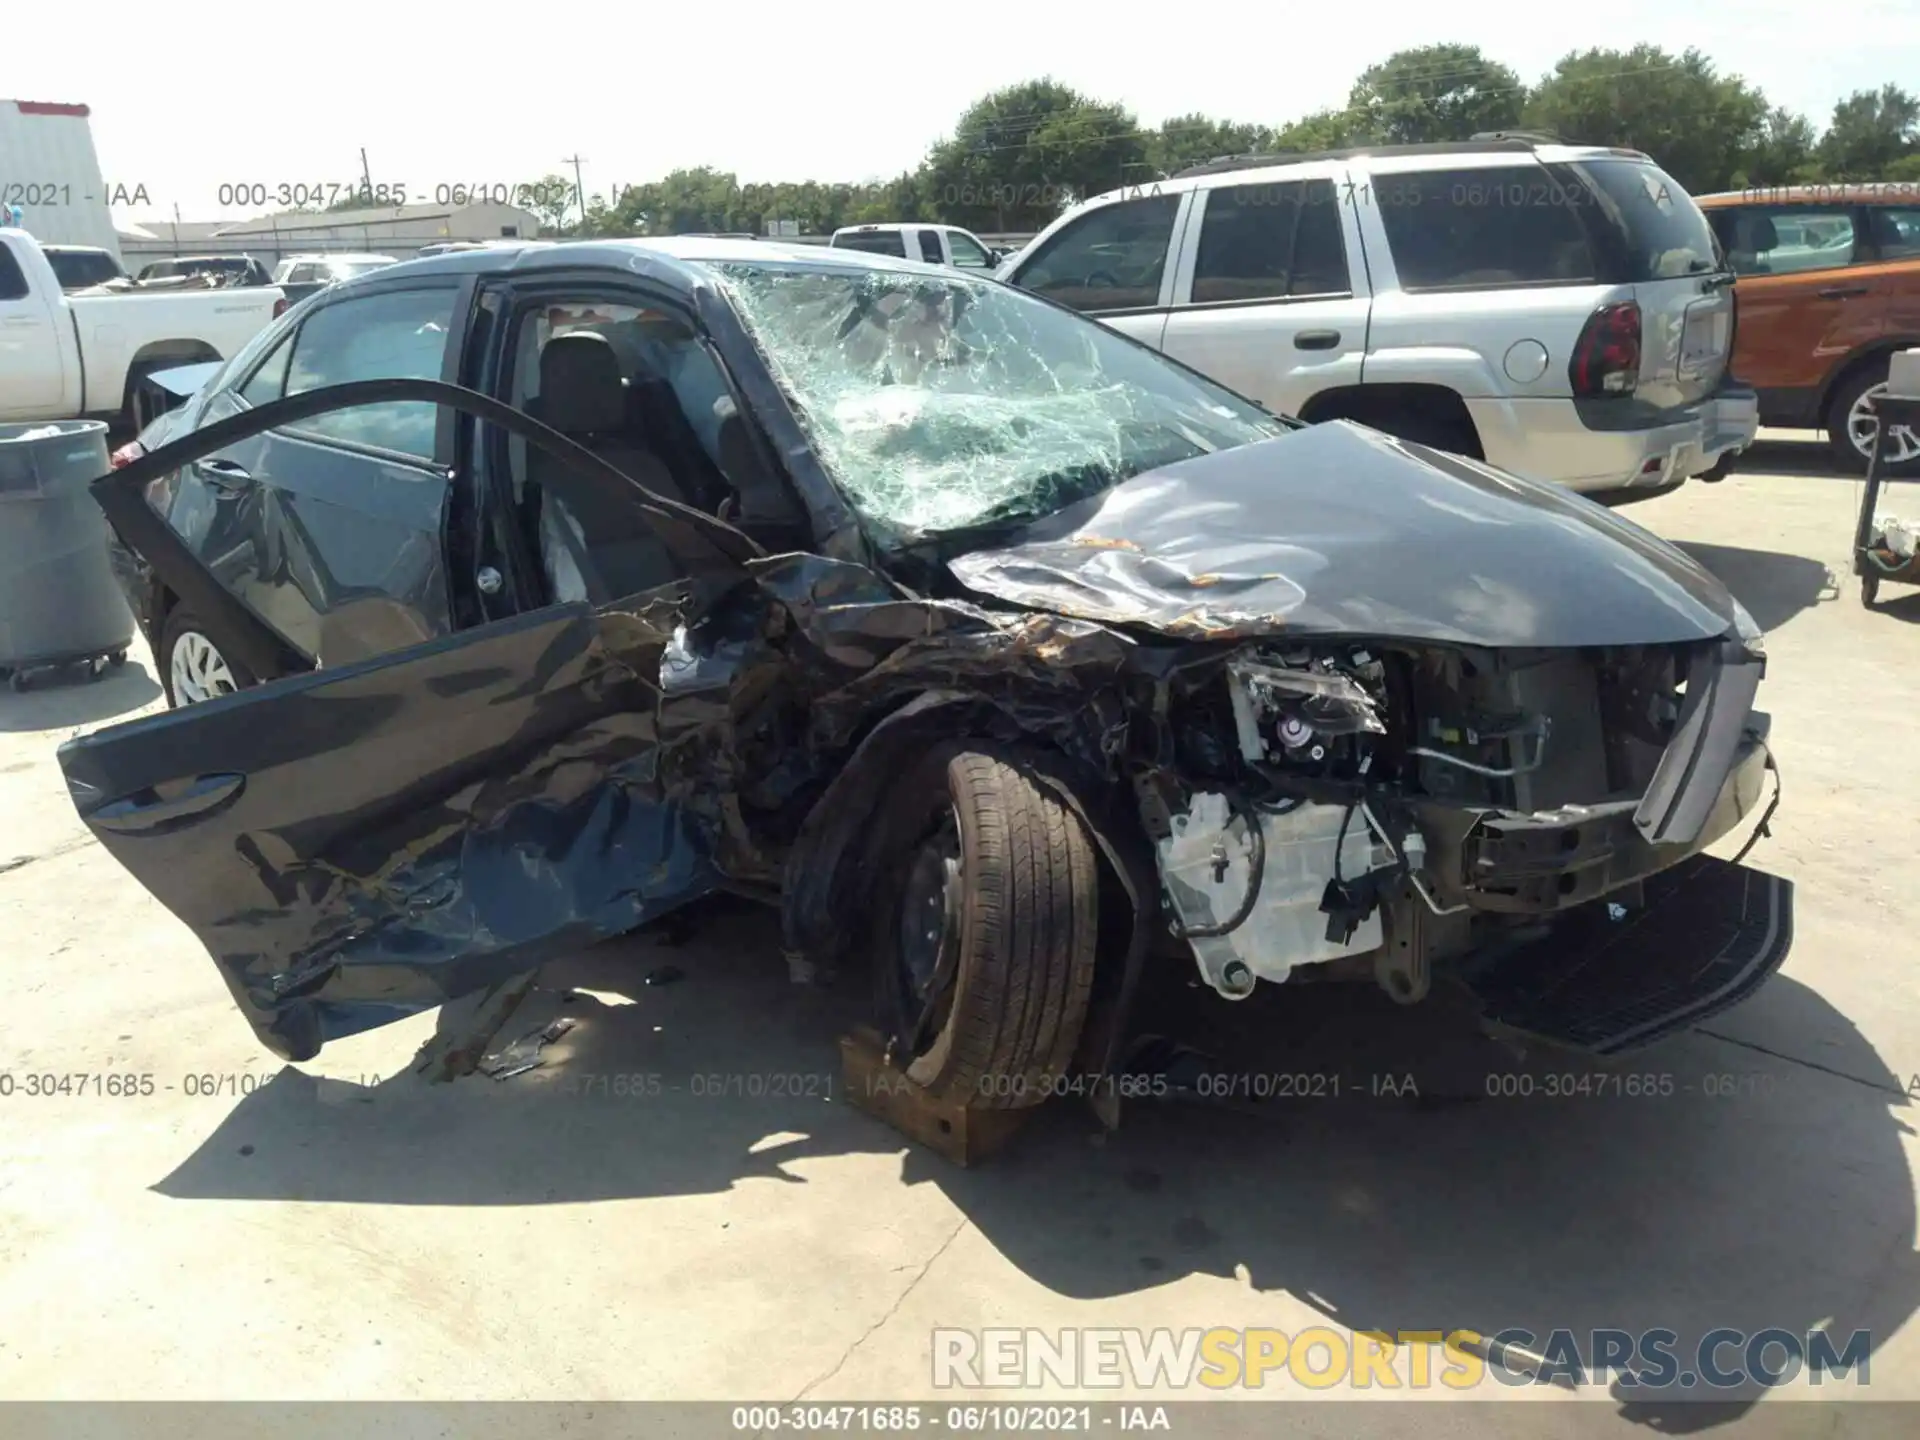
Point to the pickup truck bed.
(83, 355)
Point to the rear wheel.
(1852, 426)
(985, 927)
(192, 666)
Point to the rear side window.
(1663, 232)
(877, 242)
(1111, 258)
(13, 280)
(1785, 239)
(930, 248)
(1484, 228)
(401, 334)
(1262, 242)
(1896, 232)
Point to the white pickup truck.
(63, 355)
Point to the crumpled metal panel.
(1339, 530)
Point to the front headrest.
(1756, 234)
(581, 392)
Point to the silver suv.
(1560, 311)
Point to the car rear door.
(1266, 299)
(1112, 262)
(359, 843)
(329, 528)
(33, 376)
(1805, 300)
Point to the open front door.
(357, 844)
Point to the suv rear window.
(1483, 228)
(1665, 234)
(878, 242)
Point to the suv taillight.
(1606, 358)
(279, 307)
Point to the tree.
(1322, 130)
(1871, 131)
(552, 198)
(1195, 139)
(1784, 153)
(1021, 154)
(1435, 92)
(1698, 125)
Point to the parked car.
(990, 645)
(86, 354)
(224, 270)
(1557, 310)
(298, 276)
(82, 267)
(1829, 290)
(935, 244)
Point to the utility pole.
(579, 188)
(366, 175)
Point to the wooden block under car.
(964, 1134)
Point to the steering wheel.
(1102, 280)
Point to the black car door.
(329, 528)
(357, 843)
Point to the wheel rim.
(929, 928)
(1863, 427)
(199, 670)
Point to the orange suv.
(1829, 287)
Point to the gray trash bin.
(59, 602)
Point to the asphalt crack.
(891, 1311)
(65, 847)
(1759, 1049)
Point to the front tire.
(988, 904)
(1851, 426)
(192, 667)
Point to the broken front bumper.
(1608, 980)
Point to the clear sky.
(445, 93)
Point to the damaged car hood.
(1339, 529)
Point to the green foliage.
(1433, 93)
(1020, 155)
(1698, 125)
(1871, 131)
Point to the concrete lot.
(344, 1229)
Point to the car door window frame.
(1181, 202)
(495, 527)
(461, 288)
(1196, 234)
(1860, 253)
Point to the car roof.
(896, 226)
(1832, 192)
(682, 261)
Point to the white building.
(393, 230)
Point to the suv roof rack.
(1480, 144)
(1532, 137)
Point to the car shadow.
(60, 697)
(1431, 1180)
(1773, 586)
(1808, 457)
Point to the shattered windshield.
(941, 403)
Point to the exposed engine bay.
(1340, 809)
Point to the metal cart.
(1870, 564)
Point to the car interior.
(645, 394)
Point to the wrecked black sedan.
(1003, 655)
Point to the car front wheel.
(1852, 426)
(192, 666)
(985, 928)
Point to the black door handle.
(222, 474)
(1840, 292)
(1315, 339)
(148, 812)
